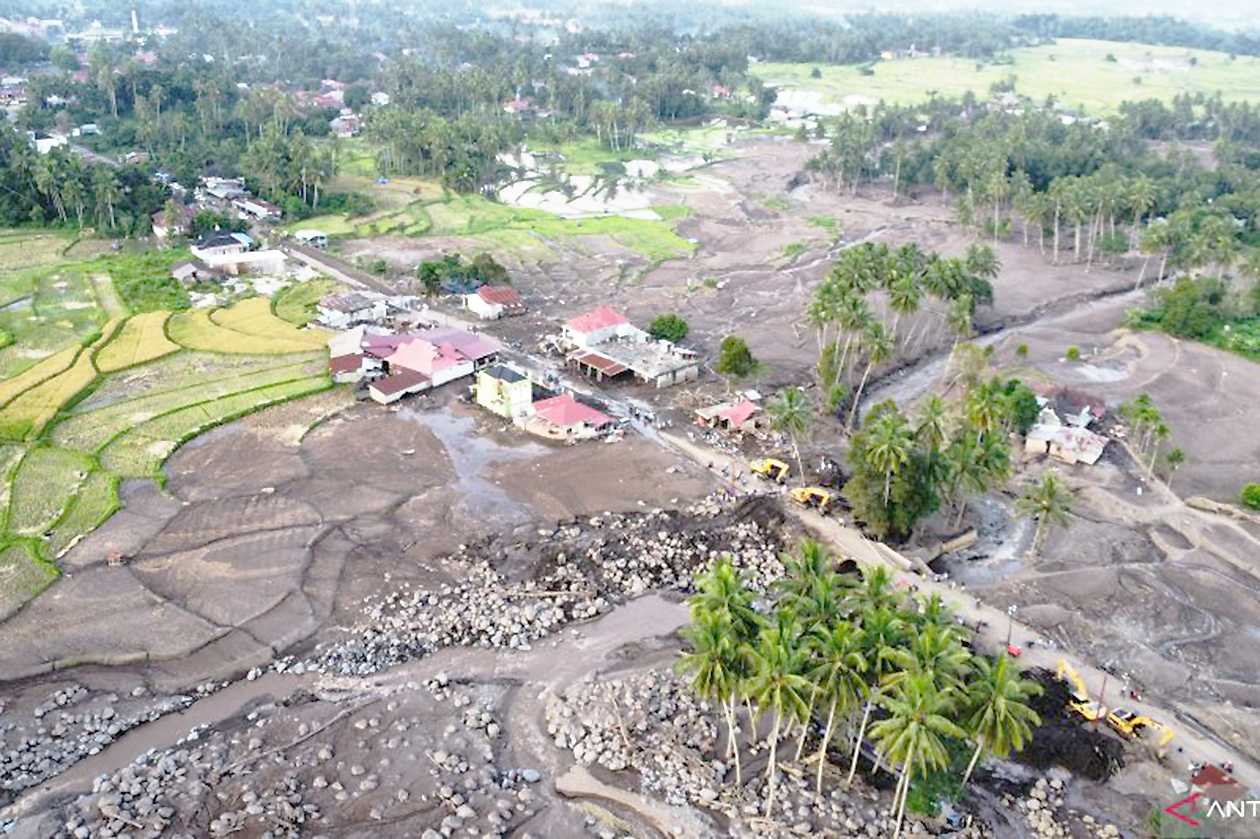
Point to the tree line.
(829, 654)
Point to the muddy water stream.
(910, 383)
(471, 455)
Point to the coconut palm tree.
(790, 414)
(1141, 198)
(1050, 502)
(714, 669)
(1174, 459)
(904, 295)
(882, 634)
(879, 348)
(935, 651)
(888, 447)
(981, 261)
(837, 675)
(778, 685)
(914, 732)
(932, 426)
(810, 563)
(722, 593)
(985, 408)
(1000, 720)
(875, 591)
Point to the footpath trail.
(1197, 745)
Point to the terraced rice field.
(83, 418)
(142, 338)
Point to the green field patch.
(587, 155)
(22, 576)
(140, 452)
(144, 282)
(20, 249)
(196, 331)
(107, 296)
(671, 212)
(27, 415)
(45, 481)
(254, 317)
(828, 223)
(93, 504)
(142, 338)
(467, 215)
(296, 304)
(89, 430)
(1075, 71)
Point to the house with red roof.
(491, 302)
(564, 418)
(597, 326)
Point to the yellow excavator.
(770, 469)
(1079, 702)
(813, 497)
(1134, 726)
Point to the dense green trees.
(827, 651)
(668, 327)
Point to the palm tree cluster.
(1148, 429)
(832, 653)
(852, 336)
(904, 467)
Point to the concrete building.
(607, 346)
(1068, 444)
(214, 245)
(494, 302)
(256, 208)
(505, 391)
(342, 311)
(564, 418)
(312, 238)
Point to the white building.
(342, 311)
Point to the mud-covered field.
(373, 620)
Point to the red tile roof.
(601, 363)
(565, 411)
(597, 319)
(501, 295)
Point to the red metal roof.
(739, 414)
(345, 363)
(502, 295)
(601, 363)
(565, 411)
(597, 319)
(398, 382)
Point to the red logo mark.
(1172, 809)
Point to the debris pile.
(650, 724)
(580, 570)
(71, 724)
(1065, 740)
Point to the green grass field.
(296, 304)
(1075, 71)
(23, 575)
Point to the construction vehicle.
(1135, 726)
(770, 469)
(813, 497)
(1079, 702)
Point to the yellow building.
(504, 391)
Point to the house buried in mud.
(604, 345)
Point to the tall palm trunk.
(772, 765)
(975, 758)
(857, 397)
(905, 794)
(732, 744)
(813, 697)
(822, 748)
(1056, 232)
(857, 744)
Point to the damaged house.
(604, 345)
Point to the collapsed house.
(604, 345)
(342, 311)
(741, 415)
(1069, 443)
